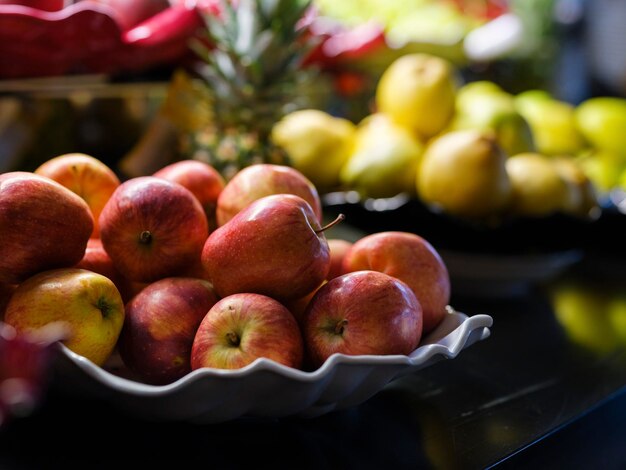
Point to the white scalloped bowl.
(265, 388)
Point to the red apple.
(410, 258)
(264, 179)
(87, 303)
(362, 312)
(161, 322)
(204, 181)
(243, 327)
(152, 228)
(96, 259)
(43, 225)
(274, 246)
(338, 249)
(86, 176)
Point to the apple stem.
(339, 218)
(339, 327)
(233, 338)
(145, 237)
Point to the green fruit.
(602, 120)
(552, 122)
(604, 168)
(463, 173)
(484, 105)
(384, 159)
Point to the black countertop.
(547, 389)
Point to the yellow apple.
(86, 176)
(87, 303)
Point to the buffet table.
(532, 393)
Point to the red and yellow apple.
(152, 228)
(87, 303)
(43, 225)
(362, 312)
(160, 326)
(410, 258)
(84, 175)
(241, 328)
(264, 179)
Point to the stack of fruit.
(469, 150)
(181, 269)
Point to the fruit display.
(450, 144)
(160, 290)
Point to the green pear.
(463, 173)
(552, 122)
(484, 105)
(384, 159)
(604, 168)
(602, 120)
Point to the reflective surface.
(547, 388)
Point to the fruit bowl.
(264, 388)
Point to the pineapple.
(253, 76)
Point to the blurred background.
(96, 89)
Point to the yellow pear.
(583, 195)
(418, 90)
(384, 159)
(552, 121)
(538, 188)
(317, 143)
(463, 173)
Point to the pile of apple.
(182, 270)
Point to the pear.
(583, 193)
(604, 168)
(317, 143)
(384, 159)
(552, 121)
(538, 187)
(418, 90)
(602, 120)
(463, 173)
(484, 105)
